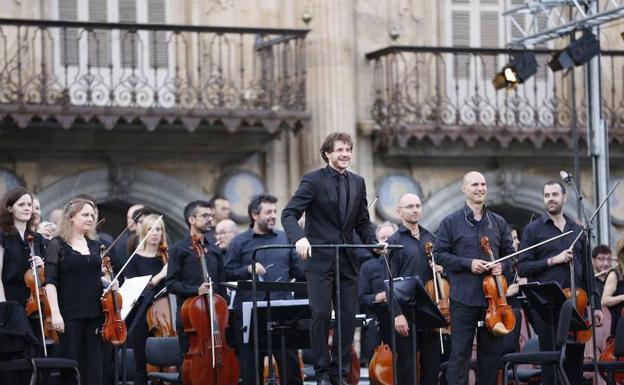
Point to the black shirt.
(372, 275)
(280, 264)
(140, 266)
(77, 278)
(16, 262)
(533, 263)
(616, 310)
(458, 242)
(184, 272)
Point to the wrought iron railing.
(134, 67)
(444, 92)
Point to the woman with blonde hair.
(73, 269)
(613, 294)
(150, 259)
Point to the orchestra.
(72, 285)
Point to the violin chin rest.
(499, 329)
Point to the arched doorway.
(115, 191)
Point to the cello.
(499, 316)
(209, 360)
(38, 301)
(160, 316)
(114, 330)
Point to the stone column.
(277, 171)
(331, 78)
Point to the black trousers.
(321, 292)
(429, 347)
(464, 321)
(246, 358)
(573, 363)
(80, 342)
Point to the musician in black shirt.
(406, 262)
(184, 272)
(148, 260)
(73, 268)
(550, 263)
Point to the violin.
(114, 330)
(160, 318)
(438, 288)
(380, 366)
(608, 355)
(209, 360)
(580, 303)
(499, 316)
(38, 300)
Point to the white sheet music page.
(131, 291)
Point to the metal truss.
(551, 19)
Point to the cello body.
(197, 368)
(380, 366)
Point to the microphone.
(565, 176)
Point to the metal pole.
(597, 139)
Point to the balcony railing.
(133, 71)
(446, 93)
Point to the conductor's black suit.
(330, 221)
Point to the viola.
(38, 300)
(580, 302)
(380, 366)
(209, 360)
(114, 330)
(160, 318)
(499, 316)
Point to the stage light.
(519, 69)
(577, 53)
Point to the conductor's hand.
(304, 250)
(383, 249)
(204, 288)
(497, 269)
(563, 257)
(400, 325)
(478, 266)
(260, 270)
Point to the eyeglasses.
(410, 207)
(204, 215)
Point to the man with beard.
(184, 273)
(550, 263)
(271, 265)
(334, 202)
(458, 250)
(407, 262)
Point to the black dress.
(16, 262)
(616, 310)
(142, 266)
(77, 278)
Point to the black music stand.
(279, 318)
(550, 297)
(410, 294)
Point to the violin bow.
(489, 264)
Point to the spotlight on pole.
(519, 69)
(577, 53)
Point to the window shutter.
(98, 40)
(68, 10)
(157, 40)
(490, 38)
(129, 53)
(461, 38)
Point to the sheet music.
(247, 306)
(131, 291)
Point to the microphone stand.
(589, 277)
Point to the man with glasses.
(184, 273)
(602, 261)
(458, 250)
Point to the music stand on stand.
(285, 317)
(411, 295)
